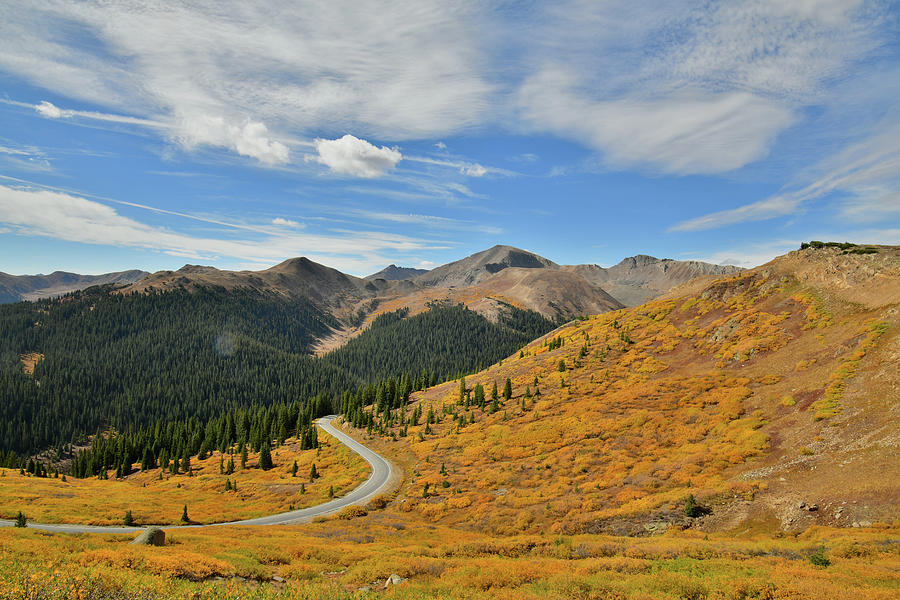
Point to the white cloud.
(865, 175)
(757, 211)
(691, 133)
(475, 170)
(248, 139)
(48, 110)
(63, 216)
(350, 155)
(430, 221)
(441, 146)
(386, 69)
(675, 87)
(688, 87)
(282, 222)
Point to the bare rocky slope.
(637, 279)
(14, 288)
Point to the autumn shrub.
(819, 559)
(352, 512)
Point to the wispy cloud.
(64, 216)
(429, 221)
(865, 174)
(690, 87)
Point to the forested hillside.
(96, 360)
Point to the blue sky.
(149, 135)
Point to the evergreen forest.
(166, 370)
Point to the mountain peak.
(481, 265)
(394, 273)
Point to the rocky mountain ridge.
(15, 288)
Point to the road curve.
(377, 481)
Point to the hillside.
(767, 394)
(98, 359)
(14, 288)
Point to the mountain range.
(485, 282)
(14, 288)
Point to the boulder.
(152, 536)
(393, 580)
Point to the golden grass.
(154, 501)
(335, 559)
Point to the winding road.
(382, 471)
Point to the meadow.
(157, 497)
(341, 558)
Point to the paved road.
(377, 481)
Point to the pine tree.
(294, 469)
(265, 457)
(312, 473)
(184, 515)
(128, 520)
(479, 395)
(331, 491)
(462, 390)
(507, 389)
(21, 521)
(230, 468)
(494, 395)
(227, 485)
(243, 456)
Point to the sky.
(149, 135)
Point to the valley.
(733, 438)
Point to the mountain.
(640, 278)
(769, 395)
(481, 265)
(14, 288)
(393, 273)
(487, 282)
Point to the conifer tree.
(312, 473)
(21, 521)
(507, 389)
(294, 469)
(243, 456)
(479, 395)
(265, 457)
(128, 520)
(184, 515)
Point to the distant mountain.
(395, 273)
(487, 282)
(640, 278)
(14, 288)
(481, 265)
